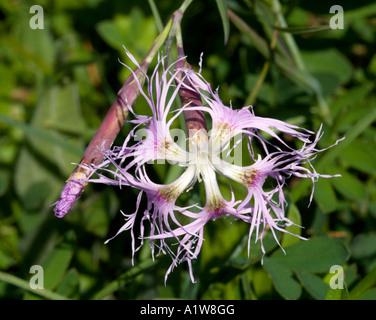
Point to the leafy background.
(58, 83)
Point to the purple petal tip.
(69, 195)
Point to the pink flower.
(263, 208)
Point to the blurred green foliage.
(57, 84)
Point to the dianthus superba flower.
(183, 226)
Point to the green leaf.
(96, 213)
(255, 252)
(355, 112)
(283, 280)
(157, 17)
(294, 216)
(33, 181)
(363, 286)
(349, 186)
(314, 255)
(260, 44)
(313, 284)
(60, 104)
(43, 135)
(329, 67)
(351, 134)
(4, 181)
(21, 283)
(54, 266)
(219, 249)
(112, 33)
(337, 294)
(261, 282)
(363, 245)
(56, 263)
(358, 155)
(361, 11)
(325, 196)
(70, 286)
(351, 98)
(326, 160)
(35, 46)
(302, 30)
(372, 65)
(369, 295)
(126, 277)
(364, 32)
(9, 239)
(304, 258)
(330, 62)
(224, 17)
(134, 31)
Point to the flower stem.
(118, 283)
(185, 5)
(260, 80)
(127, 95)
(194, 119)
(45, 293)
(289, 39)
(110, 126)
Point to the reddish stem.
(194, 119)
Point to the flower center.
(214, 206)
(249, 177)
(168, 193)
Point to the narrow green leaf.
(361, 11)
(289, 40)
(21, 283)
(260, 44)
(43, 135)
(4, 181)
(157, 17)
(354, 132)
(351, 98)
(121, 281)
(224, 17)
(364, 285)
(298, 75)
(369, 295)
(302, 30)
(257, 87)
(185, 5)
